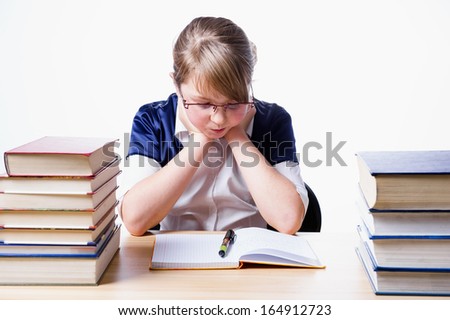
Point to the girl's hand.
(185, 120)
(193, 130)
(239, 131)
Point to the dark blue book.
(59, 269)
(403, 223)
(89, 250)
(404, 281)
(407, 252)
(405, 180)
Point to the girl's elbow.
(132, 222)
(135, 231)
(290, 228)
(133, 227)
(292, 221)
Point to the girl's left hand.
(239, 131)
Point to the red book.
(60, 156)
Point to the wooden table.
(128, 277)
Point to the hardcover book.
(63, 270)
(91, 249)
(407, 252)
(405, 180)
(398, 281)
(404, 222)
(58, 201)
(59, 184)
(60, 156)
(57, 236)
(57, 219)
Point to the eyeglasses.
(235, 108)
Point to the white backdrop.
(374, 74)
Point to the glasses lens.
(239, 109)
(202, 107)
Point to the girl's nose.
(219, 116)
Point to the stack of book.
(404, 205)
(58, 211)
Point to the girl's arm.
(275, 196)
(151, 199)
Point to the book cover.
(60, 156)
(407, 162)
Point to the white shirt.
(217, 197)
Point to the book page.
(190, 251)
(266, 246)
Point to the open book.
(251, 245)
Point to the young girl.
(211, 156)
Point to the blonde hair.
(218, 55)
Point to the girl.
(211, 156)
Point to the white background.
(375, 74)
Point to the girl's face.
(211, 113)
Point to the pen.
(227, 241)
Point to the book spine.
(5, 160)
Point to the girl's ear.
(172, 75)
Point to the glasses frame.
(225, 106)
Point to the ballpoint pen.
(227, 241)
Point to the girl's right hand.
(192, 129)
